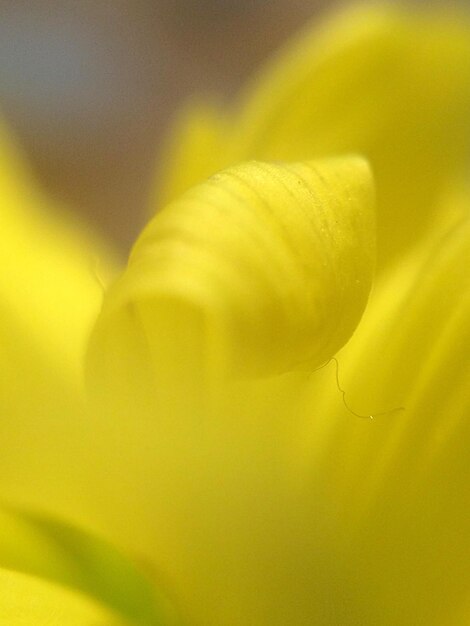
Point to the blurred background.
(91, 87)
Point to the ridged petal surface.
(388, 82)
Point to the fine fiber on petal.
(401, 479)
(383, 81)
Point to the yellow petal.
(401, 479)
(28, 601)
(193, 152)
(49, 298)
(383, 81)
(59, 553)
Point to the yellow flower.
(240, 472)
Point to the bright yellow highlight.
(26, 600)
(213, 446)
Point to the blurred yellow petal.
(401, 479)
(60, 553)
(223, 446)
(49, 298)
(194, 150)
(28, 601)
(51, 268)
(388, 82)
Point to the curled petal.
(273, 263)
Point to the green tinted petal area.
(50, 294)
(384, 81)
(45, 550)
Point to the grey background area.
(91, 86)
